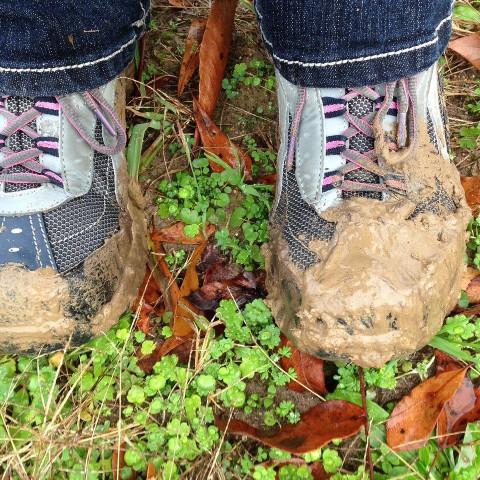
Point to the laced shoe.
(72, 232)
(367, 233)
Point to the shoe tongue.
(360, 106)
(19, 140)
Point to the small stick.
(367, 433)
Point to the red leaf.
(471, 185)
(214, 52)
(270, 179)
(317, 427)
(468, 47)
(191, 57)
(216, 142)
(309, 369)
(414, 417)
(175, 234)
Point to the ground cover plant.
(197, 381)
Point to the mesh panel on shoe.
(299, 223)
(359, 107)
(19, 140)
(81, 226)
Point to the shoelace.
(337, 145)
(35, 172)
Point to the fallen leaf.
(211, 255)
(175, 234)
(414, 417)
(179, 346)
(151, 472)
(160, 81)
(317, 427)
(309, 369)
(471, 185)
(149, 300)
(270, 179)
(191, 57)
(214, 52)
(468, 47)
(450, 425)
(118, 462)
(183, 318)
(179, 3)
(216, 142)
(473, 290)
(316, 468)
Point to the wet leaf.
(452, 419)
(414, 417)
(216, 142)
(468, 47)
(149, 300)
(175, 234)
(118, 462)
(183, 317)
(191, 57)
(317, 427)
(270, 179)
(179, 346)
(309, 369)
(471, 185)
(214, 52)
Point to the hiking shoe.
(72, 232)
(367, 232)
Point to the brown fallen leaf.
(214, 52)
(191, 57)
(179, 346)
(179, 3)
(183, 318)
(318, 426)
(309, 369)
(414, 417)
(468, 47)
(450, 425)
(149, 300)
(270, 179)
(175, 234)
(216, 142)
(471, 185)
(118, 462)
(151, 472)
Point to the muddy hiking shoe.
(72, 232)
(367, 234)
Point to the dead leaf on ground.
(191, 57)
(183, 318)
(175, 234)
(309, 369)
(214, 52)
(216, 142)
(317, 427)
(179, 3)
(414, 417)
(468, 47)
(270, 179)
(471, 185)
(118, 462)
(316, 468)
(149, 300)
(452, 419)
(179, 346)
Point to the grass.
(92, 413)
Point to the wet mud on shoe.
(367, 235)
(72, 227)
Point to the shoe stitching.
(35, 242)
(45, 239)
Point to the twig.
(367, 433)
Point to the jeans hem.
(366, 70)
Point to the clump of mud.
(391, 273)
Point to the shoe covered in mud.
(72, 233)
(367, 234)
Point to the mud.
(387, 279)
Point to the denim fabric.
(347, 43)
(62, 46)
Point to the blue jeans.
(52, 47)
(56, 47)
(348, 43)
